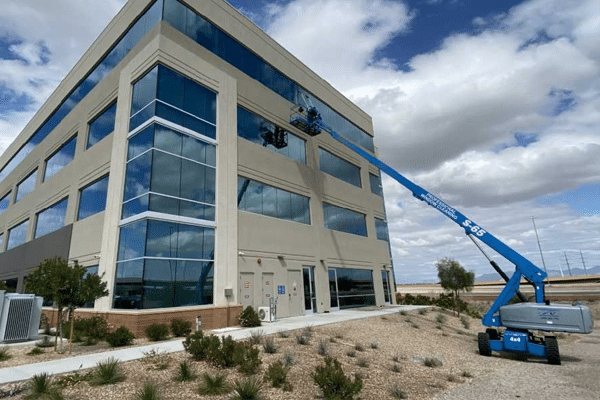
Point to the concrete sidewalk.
(75, 363)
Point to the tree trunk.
(72, 319)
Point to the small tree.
(455, 278)
(66, 286)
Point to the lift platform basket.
(550, 318)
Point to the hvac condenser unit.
(264, 313)
(20, 316)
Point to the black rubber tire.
(483, 341)
(493, 333)
(552, 352)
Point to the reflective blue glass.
(17, 235)
(344, 220)
(140, 143)
(51, 219)
(355, 287)
(137, 176)
(252, 127)
(338, 167)
(382, 230)
(26, 186)
(132, 241)
(144, 91)
(4, 202)
(376, 187)
(93, 270)
(267, 200)
(105, 66)
(62, 157)
(92, 198)
(129, 284)
(102, 125)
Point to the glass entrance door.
(333, 290)
(310, 298)
(386, 287)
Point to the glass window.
(267, 200)
(102, 125)
(4, 202)
(376, 187)
(252, 127)
(382, 230)
(92, 270)
(182, 101)
(106, 65)
(17, 235)
(60, 158)
(355, 287)
(344, 220)
(26, 186)
(1, 242)
(51, 219)
(92, 198)
(338, 167)
(164, 264)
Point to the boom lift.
(518, 320)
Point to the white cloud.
(450, 122)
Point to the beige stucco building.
(154, 164)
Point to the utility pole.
(540, 247)
(583, 262)
(568, 266)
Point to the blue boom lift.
(518, 320)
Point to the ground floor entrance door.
(294, 293)
(246, 289)
(386, 287)
(333, 290)
(310, 297)
(267, 288)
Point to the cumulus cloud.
(44, 49)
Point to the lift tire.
(552, 350)
(483, 340)
(493, 333)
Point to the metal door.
(294, 293)
(246, 289)
(267, 287)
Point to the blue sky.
(494, 106)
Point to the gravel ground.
(410, 339)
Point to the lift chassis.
(516, 320)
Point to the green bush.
(107, 372)
(224, 353)
(247, 359)
(148, 392)
(213, 385)
(334, 384)
(121, 337)
(196, 346)
(40, 387)
(180, 328)
(269, 346)
(249, 318)
(247, 389)
(465, 322)
(95, 327)
(156, 332)
(185, 372)
(35, 351)
(4, 353)
(277, 374)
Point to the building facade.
(165, 161)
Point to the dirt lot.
(411, 340)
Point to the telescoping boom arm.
(309, 120)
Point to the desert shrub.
(359, 347)
(213, 385)
(256, 336)
(362, 362)
(374, 345)
(334, 384)
(396, 368)
(95, 327)
(247, 389)
(148, 392)
(277, 374)
(289, 358)
(4, 353)
(121, 337)
(107, 372)
(423, 311)
(323, 347)
(35, 351)
(249, 317)
(440, 318)
(71, 380)
(185, 372)
(283, 334)
(432, 362)
(396, 392)
(269, 346)
(44, 342)
(196, 346)
(180, 328)
(156, 332)
(351, 353)
(160, 360)
(41, 387)
(302, 339)
(466, 374)
(247, 359)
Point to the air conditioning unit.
(264, 313)
(19, 316)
